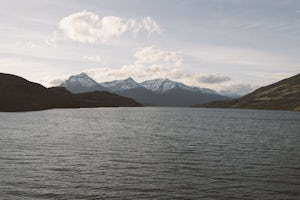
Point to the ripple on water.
(150, 153)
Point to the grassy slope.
(282, 95)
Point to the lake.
(150, 153)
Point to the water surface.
(150, 153)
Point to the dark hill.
(18, 94)
(142, 95)
(282, 95)
(95, 99)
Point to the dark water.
(150, 153)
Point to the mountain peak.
(82, 83)
(121, 85)
(161, 85)
(160, 80)
(82, 79)
(128, 79)
(82, 74)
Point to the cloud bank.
(152, 62)
(151, 54)
(213, 78)
(87, 27)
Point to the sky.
(219, 44)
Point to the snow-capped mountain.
(121, 85)
(130, 88)
(172, 93)
(82, 83)
(164, 85)
(159, 92)
(83, 79)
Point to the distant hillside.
(172, 93)
(18, 94)
(162, 92)
(156, 92)
(283, 95)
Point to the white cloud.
(26, 44)
(152, 54)
(88, 27)
(237, 89)
(152, 62)
(142, 73)
(213, 79)
(39, 71)
(55, 82)
(273, 76)
(51, 42)
(243, 56)
(151, 26)
(96, 59)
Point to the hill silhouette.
(18, 94)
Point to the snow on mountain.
(153, 85)
(159, 92)
(203, 90)
(111, 84)
(82, 83)
(121, 85)
(163, 85)
(82, 79)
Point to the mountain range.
(282, 95)
(157, 92)
(19, 94)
